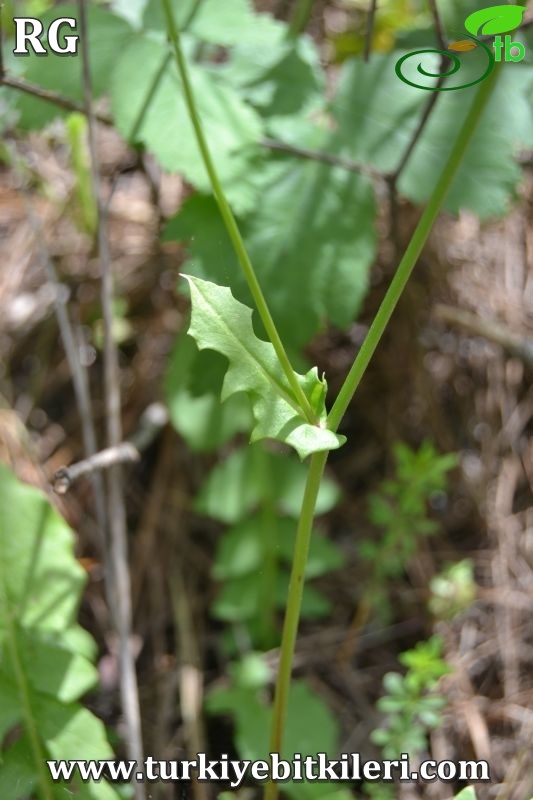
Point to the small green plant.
(399, 509)
(412, 703)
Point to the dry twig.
(116, 506)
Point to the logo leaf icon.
(462, 46)
(495, 19)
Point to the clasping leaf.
(220, 322)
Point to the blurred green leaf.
(18, 777)
(235, 487)
(240, 599)
(466, 794)
(278, 75)
(41, 673)
(241, 550)
(376, 114)
(232, 128)
(311, 728)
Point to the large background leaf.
(232, 128)
(45, 661)
(376, 114)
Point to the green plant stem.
(300, 17)
(269, 570)
(294, 604)
(192, 14)
(150, 95)
(318, 460)
(30, 726)
(412, 253)
(230, 221)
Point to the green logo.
(494, 20)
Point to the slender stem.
(192, 14)
(229, 219)
(57, 99)
(439, 27)
(413, 251)
(80, 379)
(370, 29)
(147, 102)
(21, 680)
(300, 17)
(269, 535)
(321, 156)
(294, 604)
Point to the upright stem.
(370, 29)
(44, 785)
(230, 221)
(294, 604)
(268, 535)
(413, 251)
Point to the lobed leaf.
(220, 322)
(192, 386)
